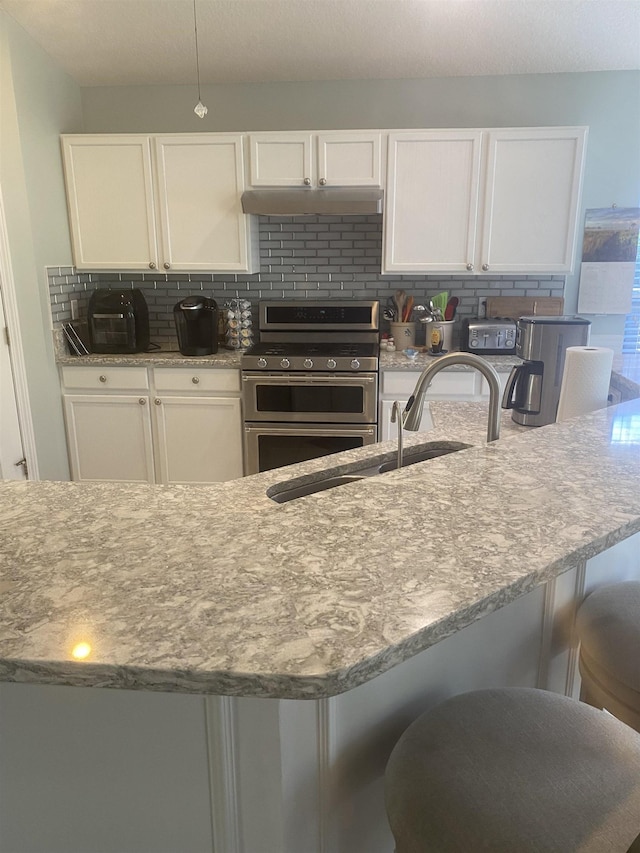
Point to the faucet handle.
(397, 415)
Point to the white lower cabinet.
(109, 437)
(198, 431)
(198, 439)
(183, 425)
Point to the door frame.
(16, 352)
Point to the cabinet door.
(199, 439)
(109, 437)
(349, 159)
(533, 187)
(200, 180)
(431, 204)
(110, 201)
(281, 159)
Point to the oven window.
(334, 399)
(277, 450)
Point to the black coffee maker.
(196, 319)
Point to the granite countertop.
(231, 358)
(218, 589)
(157, 358)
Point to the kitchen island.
(292, 643)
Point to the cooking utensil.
(408, 308)
(399, 298)
(440, 302)
(450, 310)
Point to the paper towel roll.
(585, 381)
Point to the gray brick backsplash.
(313, 257)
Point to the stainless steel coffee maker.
(533, 387)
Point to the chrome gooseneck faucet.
(412, 414)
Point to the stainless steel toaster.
(493, 336)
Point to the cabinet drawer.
(106, 378)
(200, 380)
(448, 384)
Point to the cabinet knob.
(195, 380)
(166, 266)
(485, 267)
(142, 401)
(152, 266)
(103, 378)
(469, 267)
(322, 182)
(307, 182)
(158, 401)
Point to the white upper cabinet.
(200, 181)
(349, 159)
(431, 204)
(109, 182)
(532, 198)
(483, 202)
(280, 159)
(334, 158)
(173, 203)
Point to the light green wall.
(608, 102)
(37, 103)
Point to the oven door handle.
(307, 429)
(311, 379)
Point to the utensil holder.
(404, 334)
(446, 330)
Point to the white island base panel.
(110, 771)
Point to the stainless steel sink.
(299, 488)
(312, 488)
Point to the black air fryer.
(118, 321)
(197, 325)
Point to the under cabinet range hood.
(342, 201)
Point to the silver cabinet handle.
(152, 266)
(322, 182)
(167, 266)
(158, 401)
(103, 378)
(142, 401)
(195, 380)
(485, 267)
(469, 267)
(307, 182)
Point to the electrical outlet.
(482, 307)
(74, 309)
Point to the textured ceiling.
(143, 42)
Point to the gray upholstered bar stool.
(514, 770)
(608, 625)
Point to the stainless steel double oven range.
(310, 385)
